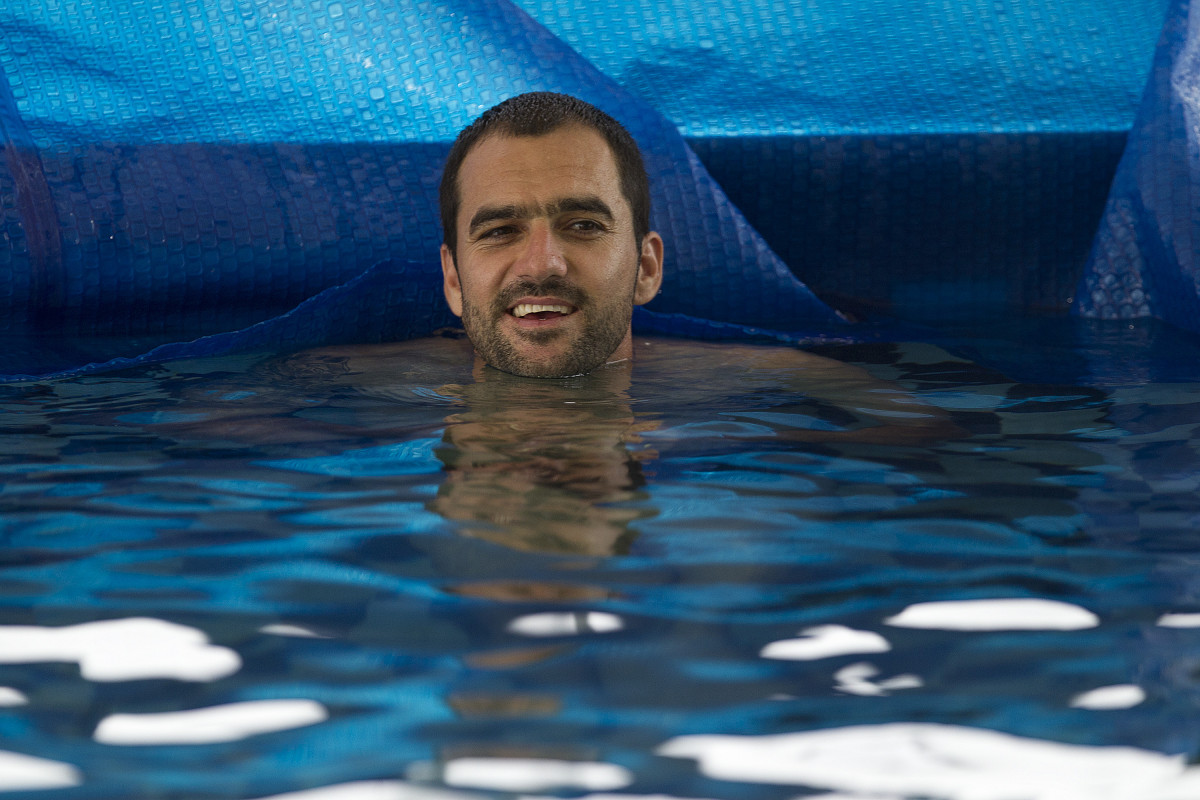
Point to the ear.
(450, 285)
(650, 269)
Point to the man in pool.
(545, 207)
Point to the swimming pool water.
(964, 569)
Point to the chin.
(549, 354)
(560, 365)
(536, 370)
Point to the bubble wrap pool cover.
(264, 174)
(1146, 257)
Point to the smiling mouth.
(540, 312)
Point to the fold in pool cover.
(192, 178)
(1146, 257)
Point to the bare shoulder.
(718, 358)
(696, 371)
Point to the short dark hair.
(538, 114)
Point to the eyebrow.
(589, 204)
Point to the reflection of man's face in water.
(537, 465)
(546, 249)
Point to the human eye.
(497, 233)
(586, 226)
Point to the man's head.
(545, 212)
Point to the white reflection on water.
(603, 796)
(21, 772)
(12, 697)
(565, 623)
(122, 650)
(1124, 695)
(1179, 620)
(294, 631)
(374, 790)
(1015, 614)
(226, 723)
(826, 641)
(856, 679)
(948, 762)
(534, 774)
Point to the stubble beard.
(605, 329)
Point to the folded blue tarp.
(264, 174)
(1145, 261)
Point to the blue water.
(388, 572)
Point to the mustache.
(553, 285)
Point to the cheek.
(485, 272)
(616, 267)
(474, 282)
(625, 272)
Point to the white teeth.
(525, 309)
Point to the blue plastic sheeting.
(1146, 257)
(263, 174)
(192, 168)
(756, 68)
(905, 157)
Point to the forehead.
(571, 161)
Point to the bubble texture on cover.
(1145, 260)
(748, 68)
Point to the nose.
(542, 254)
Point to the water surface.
(723, 571)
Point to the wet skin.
(547, 268)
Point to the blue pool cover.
(187, 178)
(1146, 257)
